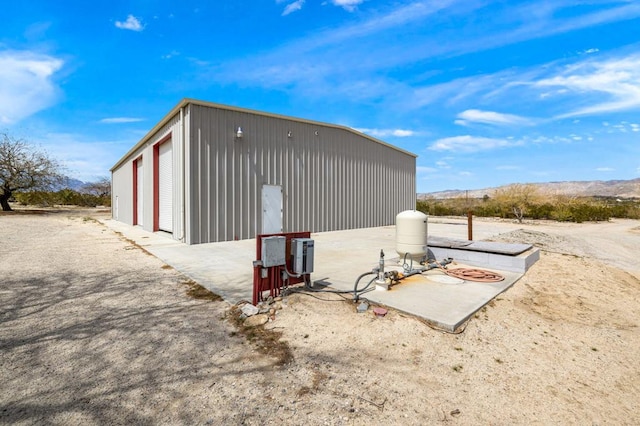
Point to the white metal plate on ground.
(443, 279)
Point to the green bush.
(63, 197)
(562, 209)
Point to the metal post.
(470, 225)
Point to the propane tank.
(411, 234)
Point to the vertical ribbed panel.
(332, 178)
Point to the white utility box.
(302, 255)
(274, 251)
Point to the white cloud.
(424, 170)
(589, 51)
(605, 169)
(171, 54)
(349, 5)
(616, 79)
(84, 159)
(490, 117)
(293, 7)
(132, 23)
(507, 168)
(118, 120)
(469, 143)
(338, 59)
(26, 84)
(383, 133)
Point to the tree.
(519, 198)
(99, 188)
(25, 168)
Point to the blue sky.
(485, 92)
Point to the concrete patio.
(341, 256)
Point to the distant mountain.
(609, 188)
(69, 183)
(74, 184)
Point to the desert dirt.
(93, 330)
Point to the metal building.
(210, 172)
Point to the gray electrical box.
(274, 251)
(302, 255)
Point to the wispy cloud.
(85, 159)
(132, 23)
(349, 5)
(292, 7)
(468, 143)
(171, 54)
(615, 79)
(491, 117)
(26, 84)
(443, 164)
(425, 170)
(119, 120)
(339, 60)
(605, 169)
(383, 133)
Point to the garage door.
(165, 187)
(139, 192)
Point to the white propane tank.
(411, 234)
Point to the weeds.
(267, 341)
(196, 291)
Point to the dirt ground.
(93, 330)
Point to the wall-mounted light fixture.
(239, 133)
(289, 134)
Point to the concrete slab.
(340, 257)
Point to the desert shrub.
(65, 197)
(34, 198)
(559, 208)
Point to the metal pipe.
(381, 277)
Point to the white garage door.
(139, 192)
(165, 187)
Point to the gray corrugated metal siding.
(335, 179)
(332, 177)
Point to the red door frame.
(156, 181)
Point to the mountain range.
(609, 188)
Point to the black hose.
(355, 286)
(307, 287)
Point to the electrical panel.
(302, 255)
(274, 251)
